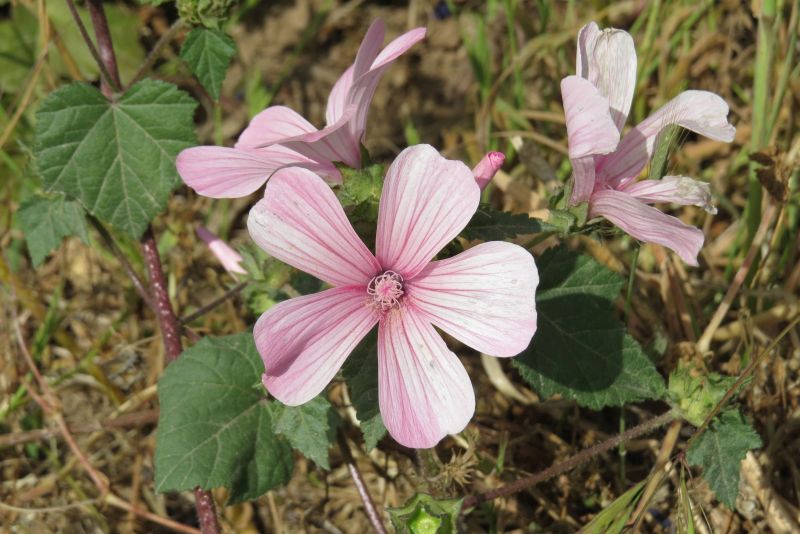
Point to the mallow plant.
(400, 261)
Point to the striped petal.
(301, 222)
(426, 201)
(484, 297)
(648, 224)
(424, 391)
(304, 341)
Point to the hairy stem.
(103, 36)
(570, 463)
(105, 75)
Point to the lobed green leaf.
(116, 158)
(216, 428)
(720, 451)
(208, 52)
(580, 350)
(46, 221)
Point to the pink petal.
(334, 143)
(590, 131)
(221, 172)
(363, 88)
(676, 189)
(426, 201)
(300, 222)
(399, 46)
(337, 100)
(304, 341)
(369, 49)
(607, 59)
(648, 224)
(699, 111)
(484, 297)
(423, 389)
(587, 37)
(487, 167)
(227, 256)
(273, 124)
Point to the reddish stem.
(170, 329)
(103, 36)
(570, 463)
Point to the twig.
(214, 303)
(570, 463)
(116, 502)
(33, 77)
(50, 405)
(123, 421)
(361, 486)
(165, 38)
(170, 332)
(659, 471)
(705, 340)
(138, 283)
(104, 74)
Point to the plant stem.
(170, 332)
(170, 328)
(361, 486)
(164, 40)
(138, 283)
(232, 292)
(765, 48)
(105, 75)
(570, 463)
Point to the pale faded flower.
(280, 137)
(605, 168)
(485, 296)
(227, 256)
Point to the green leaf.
(720, 451)
(310, 428)
(489, 224)
(216, 428)
(360, 372)
(46, 221)
(424, 514)
(580, 349)
(116, 158)
(208, 52)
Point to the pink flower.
(279, 137)
(229, 258)
(487, 167)
(484, 296)
(596, 104)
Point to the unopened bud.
(486, 168)
(229, 258)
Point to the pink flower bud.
(486, 168)
(229, 258)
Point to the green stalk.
(765, 51)
(786, 70)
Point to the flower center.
(386, 290)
